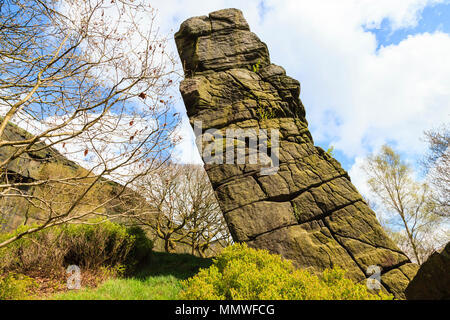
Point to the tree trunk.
(169, 246)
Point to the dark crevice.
(15, 177)
(293, 195)
(344, 247)
(386, 287)
(284, 198)
(407, 277)
(295, 98)
(243, 175)
(260, 186)
(243, 86)
(295, 135)
(37, 157)
(315, 218)
(255, 172)
(330, 212)
(295, 161)
(371, 244)
(254, 237)
(395, 266)
(287, 113)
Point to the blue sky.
(371, 72)
(432, 18)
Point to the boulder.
(432, 281)
(306, 209)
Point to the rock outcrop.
(42, 163)
(432, 281)
(307, 210)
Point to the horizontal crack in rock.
(373, 245)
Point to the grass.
(158, 280)
(152, 288)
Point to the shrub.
(15, 286)
(90, 246)
(242, 273)
(34, 253)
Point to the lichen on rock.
(308, 210)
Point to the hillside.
(43, 163)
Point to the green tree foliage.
(409, 203)
(242, 273)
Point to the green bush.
(242, 273)
(15, 286)
(89, 246)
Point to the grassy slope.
(159, 280)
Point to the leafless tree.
(413, 224)
(437, 164)
(92, 79)
(184, 209)
(207, 225)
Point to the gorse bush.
(90, 246)
(16, 287)
(105, 244)
(242, 273)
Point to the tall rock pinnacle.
(307, 210)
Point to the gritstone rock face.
(307, 210)
(432, 281)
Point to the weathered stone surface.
(432, 281)
(254, 219)
(308, 211)
(397, 279)
(29, 164)
(45, 163)
(219, 42)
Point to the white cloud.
(108, 143)
(397, 93)
(356, 97)
(401, 13)
(186, 151)
(359, 178)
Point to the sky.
(371, 72)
